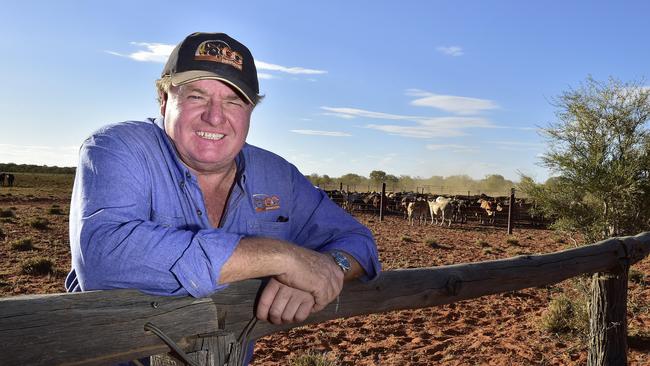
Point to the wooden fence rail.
(103, 327)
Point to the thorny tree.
(599, 156)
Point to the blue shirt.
(138, 218)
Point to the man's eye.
(195, 97)
(235, 103)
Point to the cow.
(490, 207)
(417, 209)
(440, 207)
(404, 202)
(10, 179)
(458, 210)
(2, 179)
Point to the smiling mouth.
(209, 135)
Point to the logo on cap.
(218, 51)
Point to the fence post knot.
(453, 285)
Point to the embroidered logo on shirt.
(265, 202)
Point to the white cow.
(440, 208)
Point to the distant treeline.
(29, 168)
(492, 184)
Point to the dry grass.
(7, 213)
(313, 359)
(37, 266)
(566, 315)
(23, 245)
(40, 223)
(512, 241)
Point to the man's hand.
(315, 273)
(294, 266)
(281, 304)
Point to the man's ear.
(163, 103)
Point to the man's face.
(208, 122)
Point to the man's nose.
(213, 113)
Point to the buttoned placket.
(189, 190)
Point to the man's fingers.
(282, 298)
(266, 299)
(289, 312)
(281, 304)
(304, 310)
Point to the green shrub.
(55, 211)
(23, 245)
(312, 359)
(40, 223)
(2, 234)
(566, 315)
(432, 242)
(38, 266)
(7, 213)
(636, 276)
(512, 241)
(482, 243)
(406, 239)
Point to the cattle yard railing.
(104, 327)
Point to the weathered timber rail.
(103, 327)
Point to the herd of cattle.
(442, 210)
(7, 179)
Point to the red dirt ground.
(493, 330)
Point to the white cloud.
(339, 115)
(354, 112)
(263, 75)
(456, 122)
(159, 52)
(425, 127)
(152, 52)
(451, 103)
(451, 50)
(321, 133)
(261, 65)
(423, 132)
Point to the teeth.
(209, 136)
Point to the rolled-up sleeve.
(115, 243)
(324, 226)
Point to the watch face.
(341, 260)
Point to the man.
(181, 205)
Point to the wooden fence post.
(608, 317)
(382, 202)
(510, 208)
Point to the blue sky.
(419, 88)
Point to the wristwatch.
(341, 260)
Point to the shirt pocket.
(269, 229)
(168, 220)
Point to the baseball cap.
(213, 56)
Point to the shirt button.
(182, 184)
(188, 175)
(198, 212)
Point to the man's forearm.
(254, 258)
(294, 266)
